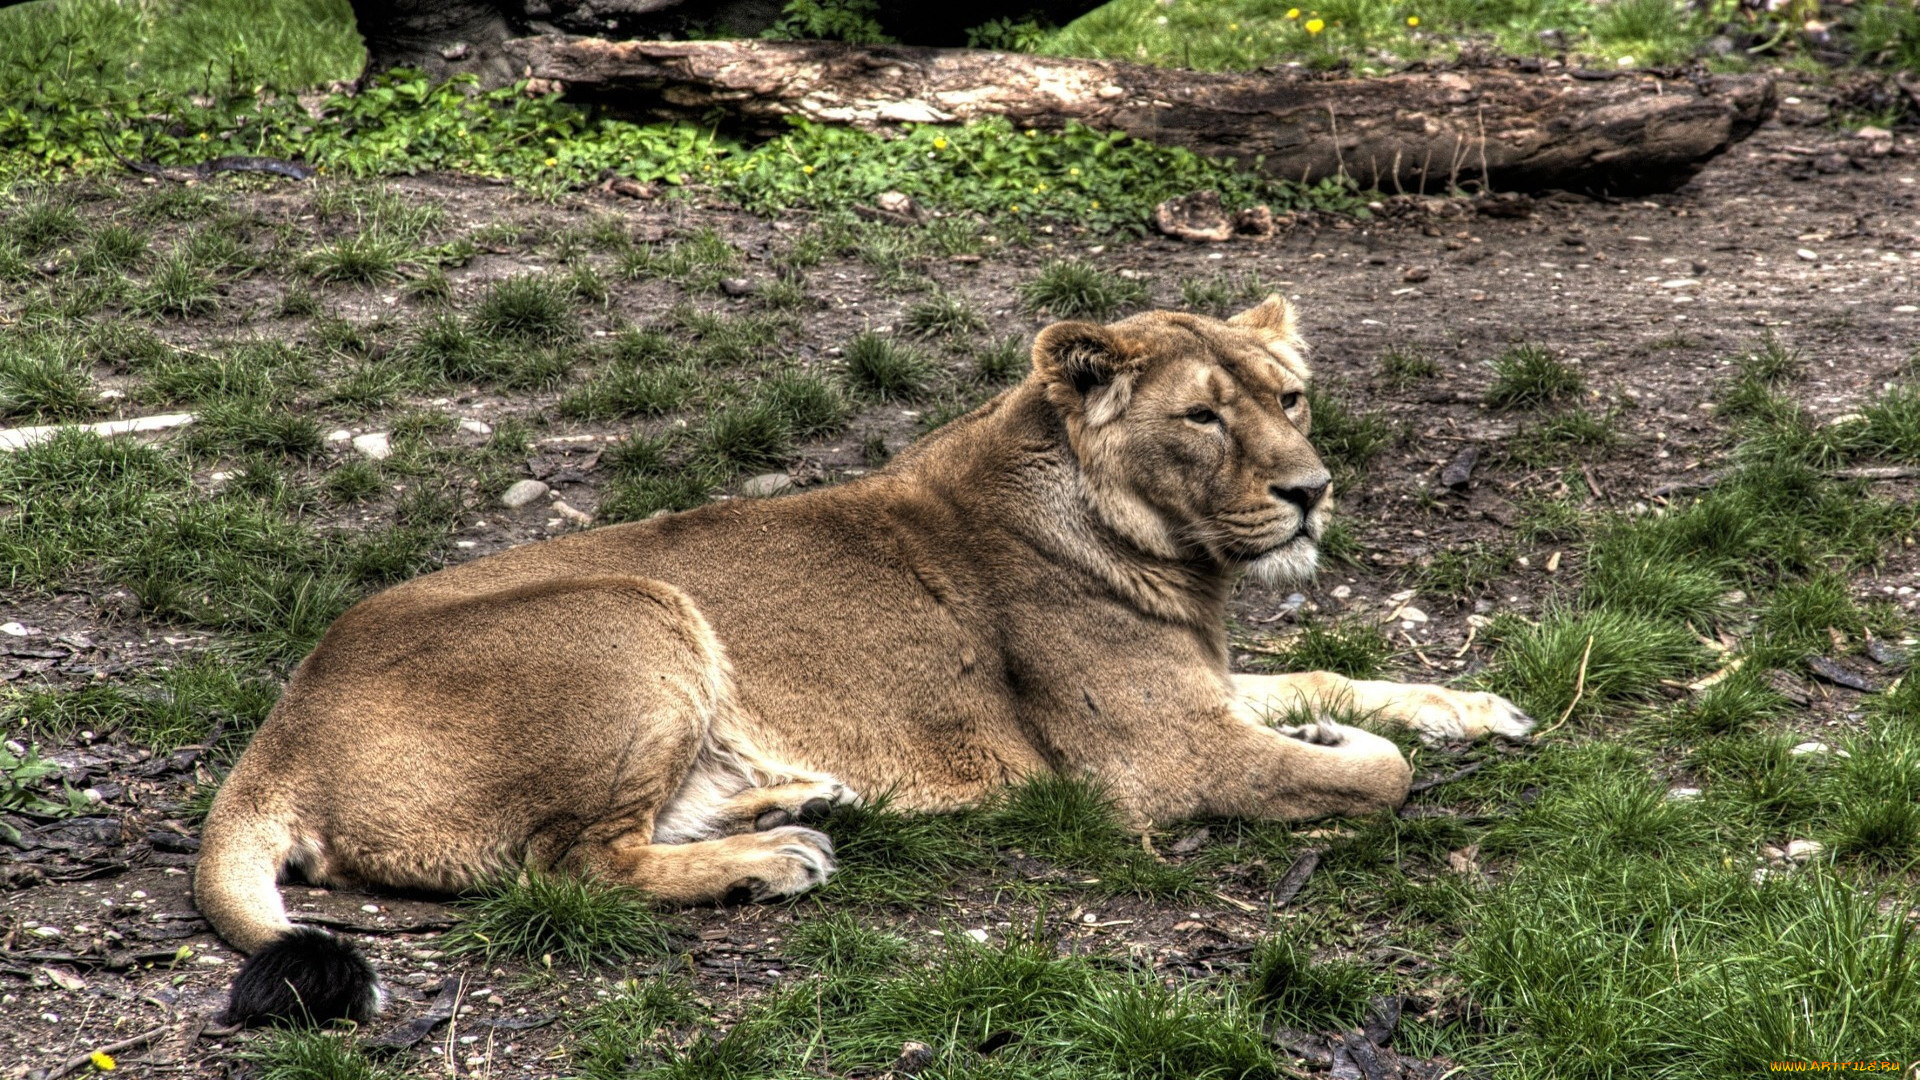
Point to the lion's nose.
(1305, 494)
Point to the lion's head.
(1192, 434)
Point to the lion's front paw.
(784, 861)
(1446, 715)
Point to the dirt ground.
(1802, 230)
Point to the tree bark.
(454, 37)
(1509, 130)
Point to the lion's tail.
(294, 973)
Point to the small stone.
(1411, 614)
(523, 493)
(1803, 850)
(1811, 748)
(578, 517)
(1679, 283)
(767, 485)
(895, 202)
(736, 286)
(979, 936)
(1684, 793)
(339, 435)
(476, 427)
(1341, 592)
(374, 444)
(14, 629)
(1416, 274)
(914, 1058)
(1808, 254)
(456, 51)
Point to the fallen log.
(1511, 130)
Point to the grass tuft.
(551, 918)
(1072, 289)
(886, 368)
(528, 307)
(1528, 377)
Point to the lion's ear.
(1273, 321)
(1273, 315)
(1088, 369)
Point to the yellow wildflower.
(1075, 171)
(1293, 13)
(1233, 26)
(551, 162)
(808, 169)
(103, 1061)
(1095, 204)
(939, 144)
(204, 136)
(1413, 20)
(1314, 26)
(1015, 208)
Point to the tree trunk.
(454, 37)
(1607, 132)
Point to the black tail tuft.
(305, 976)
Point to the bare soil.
(1799, 231)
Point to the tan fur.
(1040, 586)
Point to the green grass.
(1075, 289)
(163, 710)
(1001, 361)
(697, 262)
(44, 376)
(362, 259)
(550, 919)
(637, 391)
(1356, 649)
(887, 369)
(1305, 994)
(1566, 437)
(312, 1055)
(1016, 1009)
(1403, 369)
(1465, 572)
(1221, 294)
(943, 313)
(1349, 440)
(1529, 377)
(531, 308)
(1623, 656)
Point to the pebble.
(1411, 614)
(736, 286)
(1684, 793)
(766, 485)
(1679, 283)
(14, 629)
(578, 517)
(978, 936)
(1341, 592)
(339, 435)
(1808, 254)
(1802, 850)
(522, 493)
(374, 444)
(477, 427)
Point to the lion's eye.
(1289, 401)
(1200, 414)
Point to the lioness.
(1040, 586)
